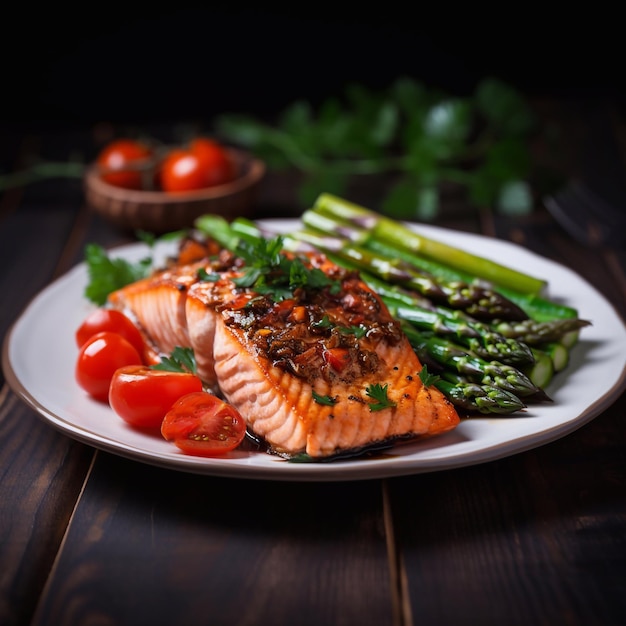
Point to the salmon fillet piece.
(321, 373)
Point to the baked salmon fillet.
(315, 365)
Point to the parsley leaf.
(180, 360)
(106, 274)
(378, 393)
(357, 331)
(427, 378)
(323, 323)
(209, 277)
(325, 400)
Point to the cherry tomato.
(204, 163)
(113, 321)
(142, 396)
(122, 157)
(204, 425)
(99, 358)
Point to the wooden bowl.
(159, 212)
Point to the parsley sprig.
(428, 379)
(357, 330)
(378, 393)
(180, 360)
(269, 271)
(325, 400)
(106, 273)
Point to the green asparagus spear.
(219, 229)
(541, 371)
(478, 301)
(400, 235)
(476, 398)
(433, 349)
(474, 335)
(534, 305)
(559, 354)
(535, 333)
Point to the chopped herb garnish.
(209, 277)
(180, 360)
(325, 400)
(323, 323)
(357, 331)
(301, 457)
(273, 273)
(378, 393)
(427, 378)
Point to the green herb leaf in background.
(421, 137)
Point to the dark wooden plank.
(532, 539)
(42, 474)
(42, 471)
(155, 546)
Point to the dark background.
(131, 66)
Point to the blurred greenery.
(421, 136)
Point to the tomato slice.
(113, 321)
(142, 396)
(99, 358)
(337, 358)
(203, 425)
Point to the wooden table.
(88, 537)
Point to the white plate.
(39, 354)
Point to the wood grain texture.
(41, 472)
(537, 538)
(41, 475)
(148, 545)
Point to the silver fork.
(588, 217)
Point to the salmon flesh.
(319, 369)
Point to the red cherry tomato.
(204, 163)
(113, 321)
(203, 425)
(121, 157)
(99, 358)
(142, 396)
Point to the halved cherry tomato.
(142, 396)
(120, 158)
(99, 358)
(203, 425)
(204, 163)
(113, 321)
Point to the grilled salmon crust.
(326, 372)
